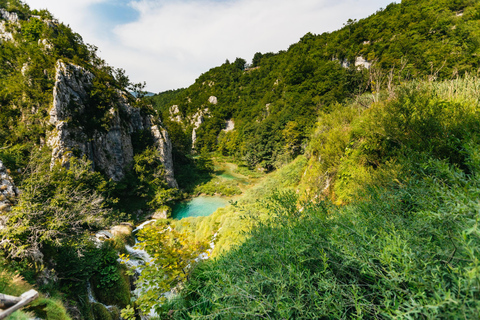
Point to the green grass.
(404, 244)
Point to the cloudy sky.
(169, 43)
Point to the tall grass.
(404, 244)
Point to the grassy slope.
(404, 247)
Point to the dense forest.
(365, 142)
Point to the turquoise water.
(198, 207)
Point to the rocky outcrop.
(175, 114)
(7, 17)
(197, 119)
(4, 34)
(110, 150)
(213, 100)
(45, 44)
(229, 125)
(11, 17)
(360, 62)
(8, 191)
(164, 146)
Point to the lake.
(198, 207)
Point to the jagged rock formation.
(8, 191)
(197, 119)
(10, 17)
(164, 146)
(109, 150)
(175, 114)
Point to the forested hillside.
(274, 101)
(378, 218)
(78, 154)
(404, 246)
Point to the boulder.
(123, 229)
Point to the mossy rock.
(49, 309)
(100, 312)
(118, 294)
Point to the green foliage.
(100, 312)
(49, 308)
(144, 186)
(408, 251)
(404, 246)
(424, 118)
(128, 313)
(33, 29)
(173, 257)
(218, 186)
(57, 206)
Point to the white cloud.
(172, 42)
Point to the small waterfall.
(143, 225)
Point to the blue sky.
(170, 43)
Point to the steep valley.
(338, 179)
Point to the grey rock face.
(164, 146)
(4, 34)
(9, 16)
(8, 191)
(360, 62)
(197, 119)
(175, 114)
(110, 151)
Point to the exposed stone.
(229, 125)
(24, 69)
(103, 235)
(208, 83)
(124, 229)
(8, 191)
(360, 62)
(46, 44)
(197, 119)
(213, 100)
(161, 214)
(164, 146)
(4, 34)
(175, 114)
(109, 150)
(9, 16)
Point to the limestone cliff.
(197, 120)
(110, 150)
(5, 18)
